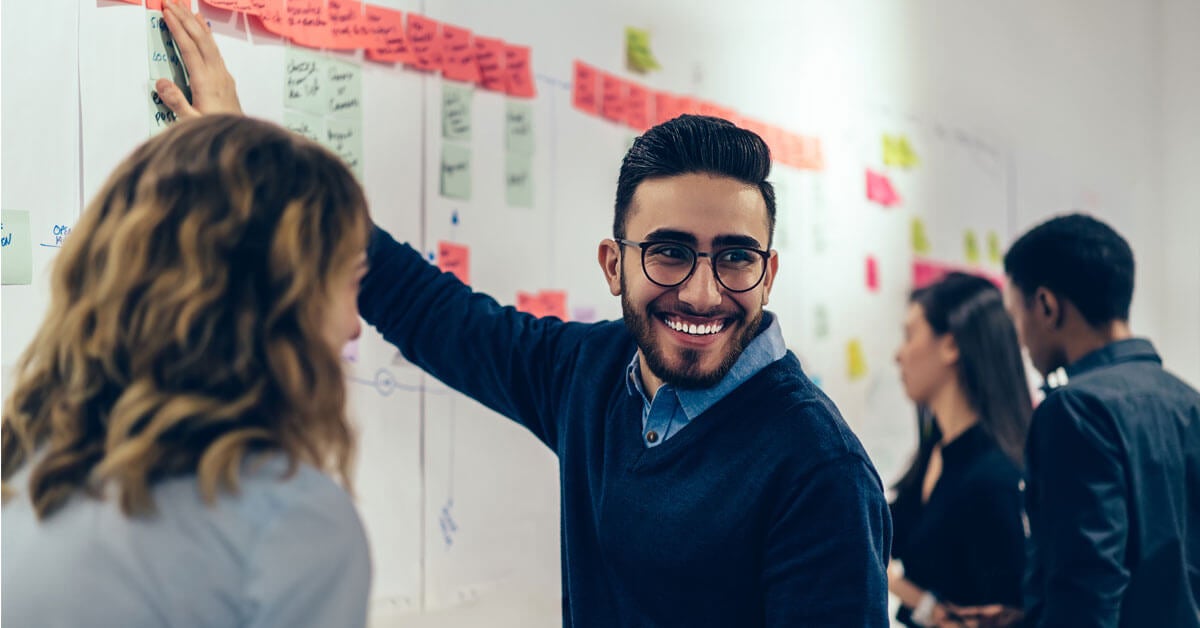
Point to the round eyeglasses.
(669, 264)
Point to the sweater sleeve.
(826, 553)
(510, 361)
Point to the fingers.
(185, 37)
(173, 98)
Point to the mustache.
(687, 310)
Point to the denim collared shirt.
(671, 410)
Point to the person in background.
(705, 480)
(176, 450)
(957, 513)
(1113, 458)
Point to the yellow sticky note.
(920, 241)
(856, 360)
(993, 243)
(971, 246)
(897, 151)
(638, 56)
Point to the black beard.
(688, 376)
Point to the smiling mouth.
(705, 327)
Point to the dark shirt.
(967, 544)
(765, 511)
(1114, 495)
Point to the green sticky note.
(518, 136)
(165, 61)
(456, 171)
(993, 243)
(304, 77)
(161, 115)
(971, 246)
(306, 124)
(638, 56)
(16, 248)
(456, 112)
(343, 89)
(518, 180)
(344, 137)
(920, 241)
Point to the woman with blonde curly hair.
(176, 448)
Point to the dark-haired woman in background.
(957, 514)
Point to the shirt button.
(651, 436)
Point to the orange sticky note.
(230, 5)
(259, 8)
(583, 89)
(716, 111)
(455, 258)
(613, 93)
(880, 190)
(458, 54)
(425, 43)
(637, 107)
(666, 107)
(489, 57)
(388, 42)
(306, 23)
(518, 71)
(349, 28)
(155, 5)
(544, 303)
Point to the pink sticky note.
(872, 274)
(613, 93)
(715, 110)
(811, 156)
(879, 190)
(388, 41)
(425, 43)
(455, 258)
(584, 314)
(489, 56)
(665, 107)
(583, 89)
(637, 107)
(458, 54)
(518, 71)
(544, 303)
(927, 271)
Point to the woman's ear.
(948, 349)
(609, 256)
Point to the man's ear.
(609, 256)
(1048, 307)
(769, 279)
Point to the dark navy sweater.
(765, 511)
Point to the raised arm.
(213, 88)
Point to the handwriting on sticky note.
(518, 127)
(425, 42)
(518, 179)
(309, 125)
(872, 274)
(306, 22)
(544, 303)
(489, 56)
(349, 28)
(344, 136)
(637, 107)
(456, 111)
(160, 114)
(880, 190)
(389, 42)
(344, 82)
(613, 93)
(16, 248)
(304, 76)
(455, 258)
(458, 54)
(456, 171)
(584, 88)
(856, 360)
(518, 71)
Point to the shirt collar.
(767, 347)
(1129, 350)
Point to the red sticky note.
(925, 272)
(544, 303)
(872, 274)
(879, 189)
(715, 110)
(270, 16)
(489, 56)
(388, 42)
(583, 89)
(518, 71)
(425, 43)
(613, 93)
(458, 54)
(230, 5)
(258, 8)
(811, 156)
(637, 107)
(664, 107)
(154, 5)
(455, 258)
(306, 23)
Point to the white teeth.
(693, 329)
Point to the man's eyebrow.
(736, 240)
(671, 235)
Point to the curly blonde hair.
(185, 328)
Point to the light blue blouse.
(285, 552)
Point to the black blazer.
(967, 544)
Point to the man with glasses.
(705, 480)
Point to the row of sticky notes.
(455, 258)
(390, 36)
(638, 107)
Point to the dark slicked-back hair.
(694, 144)
(1079, 259)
